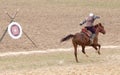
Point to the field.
(62, 63)
(46, 22)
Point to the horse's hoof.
(77, 61)
(87, 56)
(99, 53)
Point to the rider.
(89, 25)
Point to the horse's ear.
(100, 24)
(96, 26)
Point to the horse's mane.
(98, 25)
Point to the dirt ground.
(47, 21)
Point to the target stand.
(15, 30)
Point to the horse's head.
(100, 28)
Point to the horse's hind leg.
(83, 50)
(75, 50)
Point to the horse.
(83, 40)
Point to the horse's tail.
(67, 37)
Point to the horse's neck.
(97, 31)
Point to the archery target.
(14, 30)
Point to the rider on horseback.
(89, 25)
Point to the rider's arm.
(96, 17)
(83, 22)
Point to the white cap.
(91, 14)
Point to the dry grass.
(62, 63)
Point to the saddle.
(87, 32)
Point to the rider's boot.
(92, 38)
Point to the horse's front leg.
(83, 50)
(99, 48)
(95, 47)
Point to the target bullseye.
(14, 30)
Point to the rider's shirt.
(90, 20)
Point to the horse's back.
(81, 35)
(80, 38)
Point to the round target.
(15, 30)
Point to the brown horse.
(83, 40)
